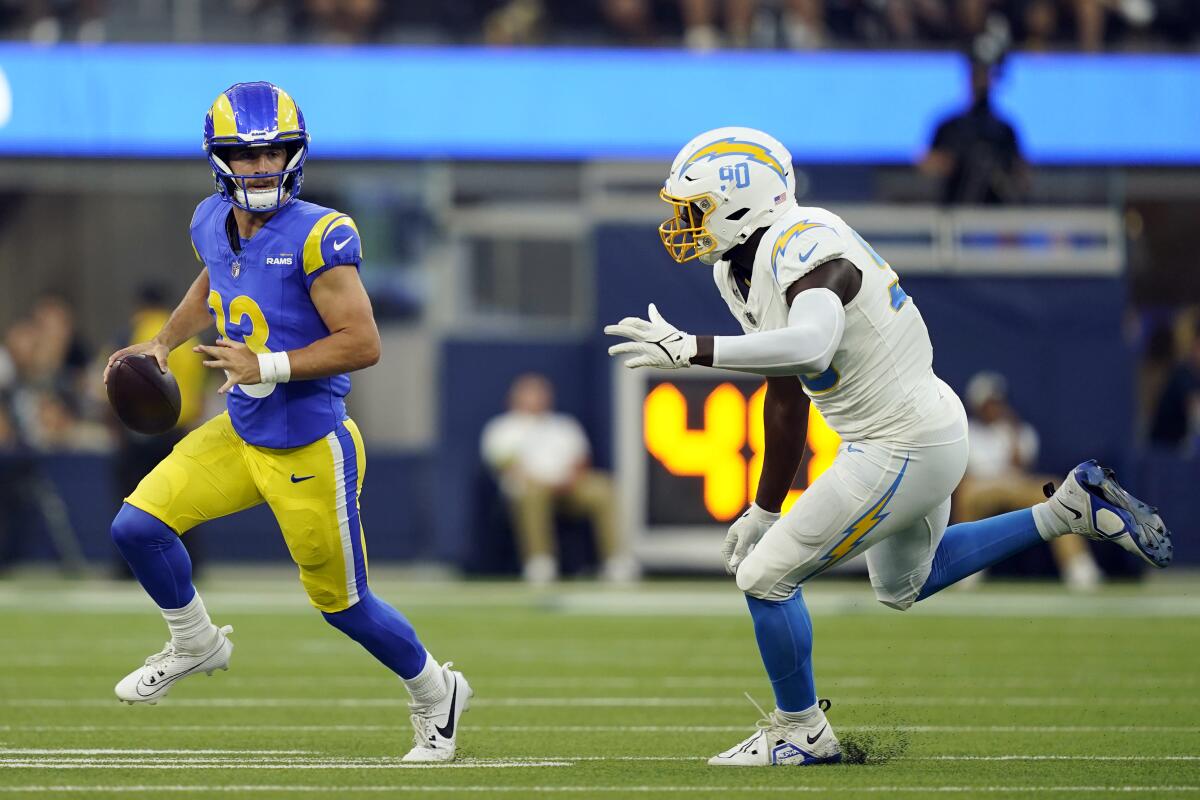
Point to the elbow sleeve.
(816, 322)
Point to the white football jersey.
(881, 382)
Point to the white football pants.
(889, 498)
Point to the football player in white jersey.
(826, 322)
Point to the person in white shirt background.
(543, 463)
(1003, 450)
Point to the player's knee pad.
(133, 528)
(899, 597)
(757, 581)
(899, 605)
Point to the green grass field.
(584, 691)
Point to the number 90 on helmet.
(724, 185)
(257, 114)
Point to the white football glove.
(744, 533)
(654, 343)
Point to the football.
(146, 400)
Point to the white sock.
(1051, 523)
(429, 685)
(810, 717)
(191, 629)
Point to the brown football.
(146, 400)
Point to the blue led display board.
(150, 100)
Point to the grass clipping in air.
(873, 747)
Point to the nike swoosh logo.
(167, 680)
(339, 245)
(1068, 508)
(677, 337)
(851, 449)
(813, 739)
(448, 731)
(804, 257)
(301, 480)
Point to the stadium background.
(502, 160)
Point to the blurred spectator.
(1003, 449)
(515, 22)
(899, 22)
(61, 429)
(1176, 420)
(43, 369)
(975, 152)
(342, 21)
(700, 24)
(802, 23)
(63, 352)
(51, 21)
(541, 460)
(1037, 23)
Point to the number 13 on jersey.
(244, 322)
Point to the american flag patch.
(779, 198)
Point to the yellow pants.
(312, 490)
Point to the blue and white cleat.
(778, 743)
(1095, 506)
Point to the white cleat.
(151, 682)
(1097, 507)
(778, 743)
(435, 727)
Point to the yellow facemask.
(684, 234)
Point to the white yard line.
(750, 790)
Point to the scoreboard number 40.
(717, 451)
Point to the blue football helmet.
(257, 114)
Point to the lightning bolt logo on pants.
(862, 526)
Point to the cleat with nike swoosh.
(150, 683)
(1094, 505)
(435, 727)
(779, 743)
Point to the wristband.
(274, 368)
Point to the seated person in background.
(542, 461)
(1003, 449)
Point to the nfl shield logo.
(236, 269)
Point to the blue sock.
(784, 633)
(384, 632)
(158, 559)
(968, 547)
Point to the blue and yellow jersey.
(260, 296)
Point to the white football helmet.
(724, 185)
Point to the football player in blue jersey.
(279, 279)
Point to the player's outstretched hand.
(744, 533)
(653, 342)
(238, 361)
(158, 350)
